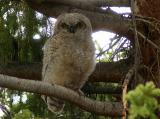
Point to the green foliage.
(18, 25)
(23, 114)
(143, 101)
(39, 108)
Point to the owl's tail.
(54, 105)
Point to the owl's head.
(73, 23)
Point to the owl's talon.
(80, 92)
(44, 98)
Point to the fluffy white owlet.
(69, 56)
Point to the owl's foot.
(44, 98)
(80, 92)
(54, 105)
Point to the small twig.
(150, 18)
(137, 57)
(137, 45)
(149, 41)
(6, 111)
(127, 79)
(118, 49)
(158, 64)
(145, 19)
(110, 47)
(150, 23)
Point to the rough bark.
(104, 71)
(97, 3)
(109, 89)
(100, 19)
(148, 8)
(97, 107)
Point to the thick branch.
(110, 71)
(109, 89)
(110, 3)
(98, 3)
(104, 72)
(78, 4)
(101, 108)
(109, 21)
(89, 5)
(28, 71)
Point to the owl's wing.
(49, 50)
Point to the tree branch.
(104, 71)
(109, 89)
(89, 5)
(97, 3)
(109, 21)
(28, 71)
(78, 4)
(97, 107)
(110, 3)
(110, 71)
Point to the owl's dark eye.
(80, 25)
(64, 25)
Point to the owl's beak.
(72, 29)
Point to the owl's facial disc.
(72, 28)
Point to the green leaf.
(143, 101)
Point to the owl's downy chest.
(68, 62)
(70, 52)
(73, 52)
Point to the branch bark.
(109, 89)
(97, 107)
(90, 5)
(110, 3)
(108, 20)
(104, 71)
(97, 3)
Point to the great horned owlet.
(69, 56)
